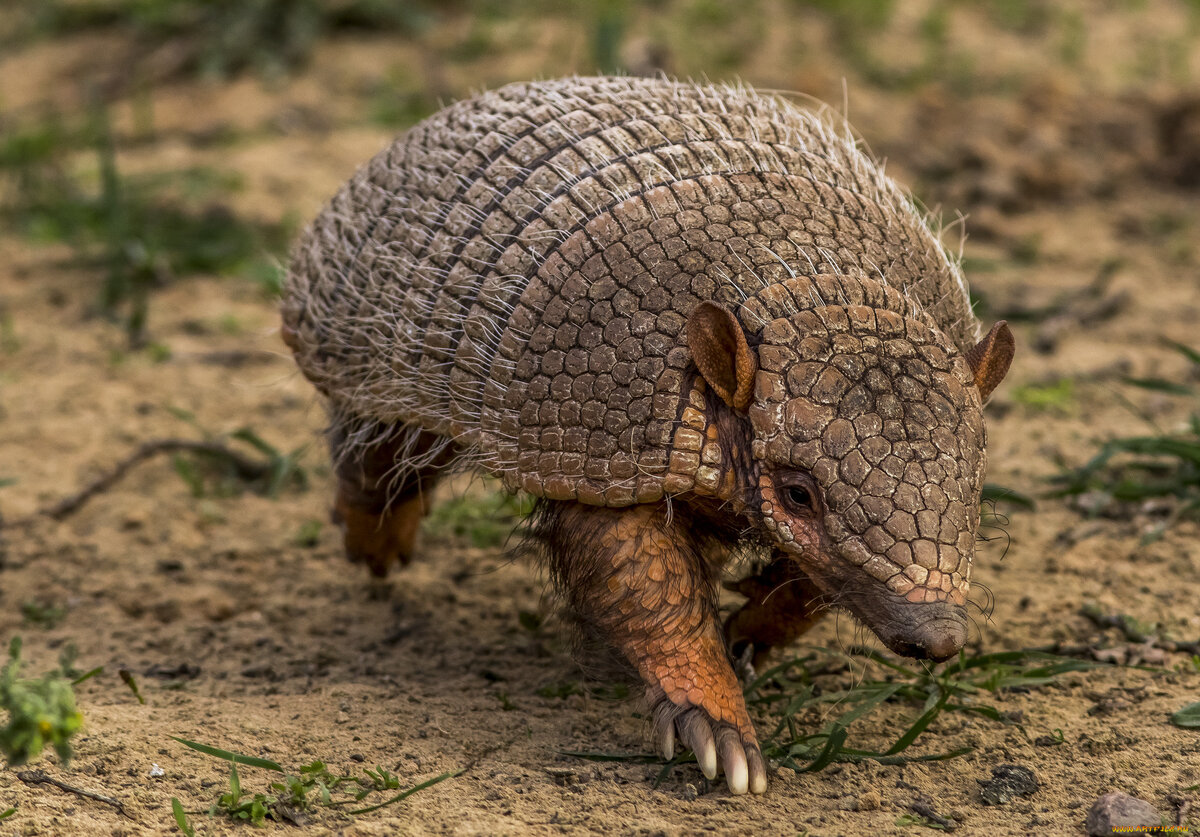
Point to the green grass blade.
(869, 704)
(671, 765)
(999, 493)
(6, 814)
(918, 727)
(1160, 385)
(180, 818)
(1188, 717)
(405, 794)
(1185, 350)
(226, 755)
(882, 758)
(772, 673)
(87, 675)
(833, 746)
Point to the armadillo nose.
(938, 639)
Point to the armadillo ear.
(990, 358)
(723, 356)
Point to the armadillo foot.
(380, 539)
(716, 744)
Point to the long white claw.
(758, 772)
(666, 742)
(697, 735)
(707, 758)
(736, 773)
(733, 759)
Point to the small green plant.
(7, 813)
(610, 19)
(1056, 396)
(127, 678)
(994, 494)
(42, 614)
(1187, 717)
(486, 521)
(312, 786)
(309, 533)
(41, 712)
(236, 806)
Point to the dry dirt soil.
(1081, 182)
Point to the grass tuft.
(41, 712)
(311, 786)
(42, 614)
(1133, 469)
(802, 686)
(139, 231)
(960, 686)
(485, 521)
(220, 38)
(218, 467)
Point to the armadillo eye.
(798, 497)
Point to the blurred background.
(160, 139)
(157, 157)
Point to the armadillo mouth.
(937, 634)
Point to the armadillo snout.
(936, 633)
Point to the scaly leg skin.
(636, 579)
(379, 516)
(782, 603)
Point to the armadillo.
(693, 320)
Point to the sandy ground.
(284, 651)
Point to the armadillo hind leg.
(781, 604)
(381, 495)
(636, 580)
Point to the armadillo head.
(868, 449)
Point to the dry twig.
(246, 469)
(37, 777)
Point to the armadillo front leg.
(636, 580)
(781, 604)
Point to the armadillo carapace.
(687, 317)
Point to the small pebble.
(690, 793)
(1008, 782)
(1120, 810)
(562, 775)
(156, 771)
(869, 801)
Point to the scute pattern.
(882, 411)
(515, 274)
